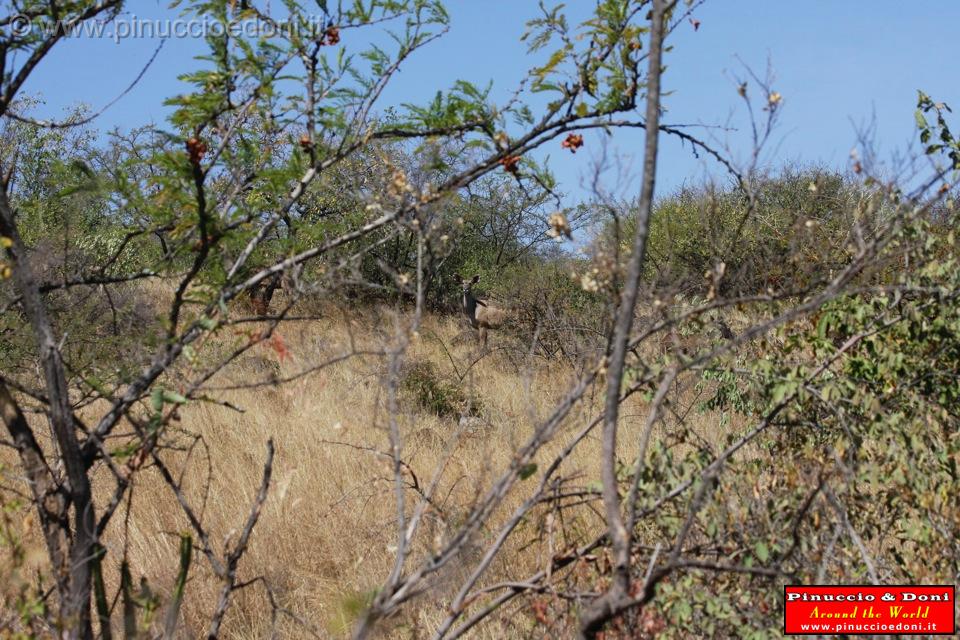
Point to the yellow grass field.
(326, 537)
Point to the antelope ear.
(457, 278)
(475, 279)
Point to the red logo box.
(869, 610)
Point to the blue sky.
(839, 64)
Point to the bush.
(553, 304)
(422, 384)
(796, 226)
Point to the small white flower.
(589, 283)
(559, 226)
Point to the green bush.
(791, 226)
(422, 384)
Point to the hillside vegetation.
(328, 529)
(241, 397)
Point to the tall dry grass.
(326, 537)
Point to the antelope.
(262, 293)
(481, 316)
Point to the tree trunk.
(617, 596)
(75, 607)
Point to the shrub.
(795, 225)
(422, 384)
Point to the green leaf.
(528, 470)
(173, 397)
(823, 325)
(156, 399)
(129, 608)
(173, 609)
(554, 60)
(762, 552)
(781, 391)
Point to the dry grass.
(326, 535)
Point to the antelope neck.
(470, 306)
